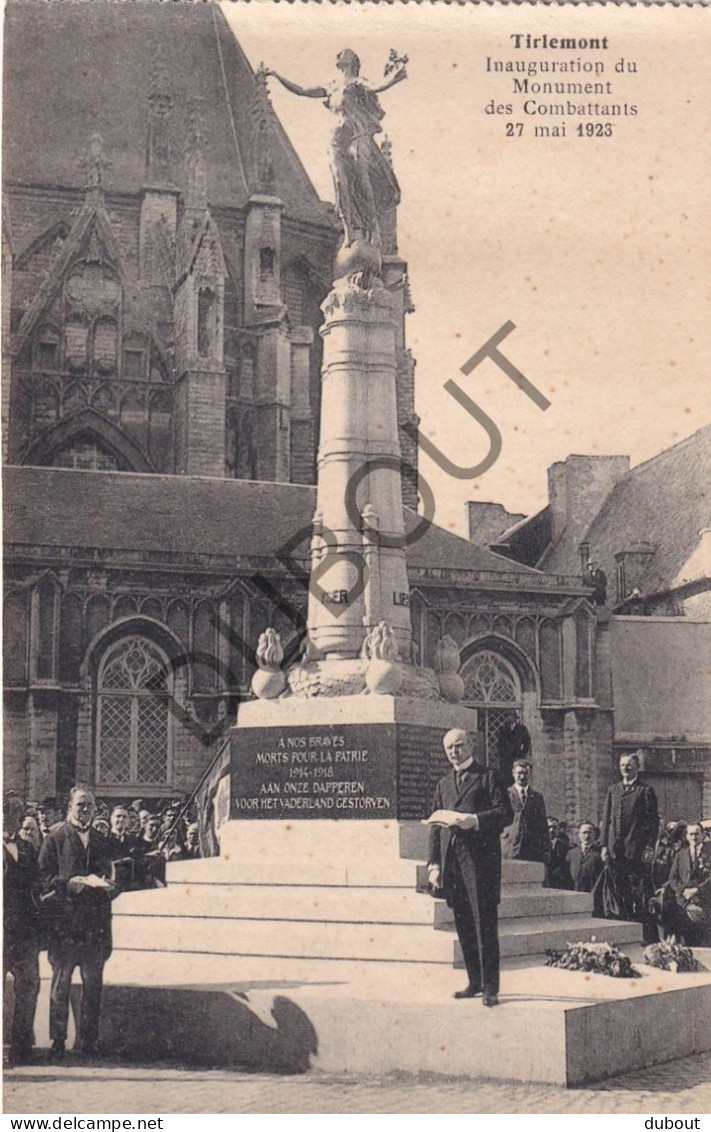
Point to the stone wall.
(660, 674)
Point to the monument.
(307, 942)
(353, 729)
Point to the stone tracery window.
(490, 680)
(492, 686)
(133, 717)
(92, 299)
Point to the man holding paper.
(74, 863)
(471, 809)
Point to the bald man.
(465, 859)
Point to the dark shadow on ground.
(206, 1027)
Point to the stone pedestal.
(354, 757)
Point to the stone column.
(359, 469)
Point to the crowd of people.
(141, 837)
(63, 864)
(637, 869)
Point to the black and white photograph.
(356, 436)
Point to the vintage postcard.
(357, 559)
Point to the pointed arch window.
(43, 639)
(133, 740)
(295, 283)
(492, 686)
(267, 260)
(92, 296)
(207, 304)
(489, 679)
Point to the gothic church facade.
(165, 259)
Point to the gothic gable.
(91, 432)
(89, 248)
(41, 250)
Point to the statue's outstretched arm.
(402, 74)
(305, 92)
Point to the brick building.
(649, 528)
(165, 260)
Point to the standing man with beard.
(472, 808)
(74, 862)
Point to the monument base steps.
(318, 890)
(307, 945)
(289, 1015)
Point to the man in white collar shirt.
(465, 859)
(686, 909)
(629, 827)
(74, 861)
(527, 838)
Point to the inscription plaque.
(348, 771)
(421, 764)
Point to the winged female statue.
(364, 182)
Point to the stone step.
(522, 874)
(184, 968)
(546, 902)
(533, 936)
(295, 939)
(317, 869)
(334, 870)
(368, 941)
(316, 852)
(346, 904)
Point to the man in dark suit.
(585, 859)
(74, 862)
(597, 578)
(527, 838)
(630, 822)
(48, 816)
(123, 848)
(21, 932)
(465, 859)
(686, 903)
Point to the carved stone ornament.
(349, 297)
(383, 674)
(269, 681)
(446, 657)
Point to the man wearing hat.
(48, 816)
